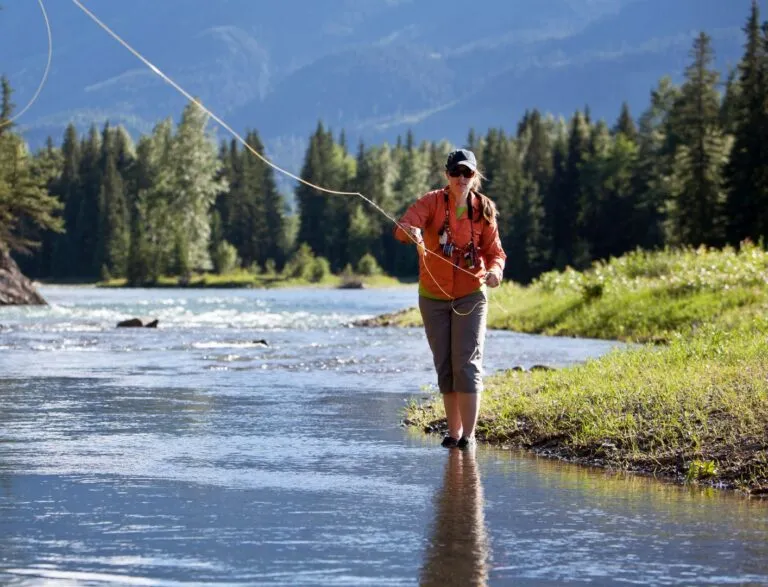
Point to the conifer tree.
(311, 203)
(653, 166)
(374, 179)
(536, 137)
(195, 185)
(114, 225)
(47, 167)
(747, 170)
(697, 176)
(521, 214)
(67, 191)
(565, 197)
(26, 208)
(625, 124)
(6, 106)
(153, 217)
(85, 231)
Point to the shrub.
(300, 264)
(225, 258)
(320, 269)
(368, 266)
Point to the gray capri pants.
(457, 341)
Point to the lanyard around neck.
(447, 226)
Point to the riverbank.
(693, 408)
(247, 279)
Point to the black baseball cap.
(461, 157)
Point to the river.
(193, 454)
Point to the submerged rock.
(15, 289)
(138, 323)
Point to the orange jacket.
(436, 273)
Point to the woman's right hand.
(416, 236)
(414, 232)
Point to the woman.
(457, 235)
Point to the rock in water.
(15, 289)
(138, 323)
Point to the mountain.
(372, 67)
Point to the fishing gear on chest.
(469, 252)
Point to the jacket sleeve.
(417, 215)
(494, 255)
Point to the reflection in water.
(458, 549)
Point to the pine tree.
(324, 219)
(67, 191)
(625, 124)
(536, 137)
(26, 208)
(593, 195)
(85, 231)
(154, 210)
(312, 203)
(114, 222)
(747, 170)
(411, 183)
(654, 164)
(375, 179)
(521, 214)
(697, 176)
(6, 106)
(729, 106)
(196, 183)
(565, 197)
(607, 214)
(47, 165)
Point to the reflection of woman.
(458, 551)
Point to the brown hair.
(487, 207)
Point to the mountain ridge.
(372, 67)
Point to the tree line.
(691, 170)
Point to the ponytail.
(487, 209)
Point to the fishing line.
(45, 73)
(276, 167)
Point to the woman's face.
(460, 178)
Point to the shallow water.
(190, 454)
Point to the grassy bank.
(694, 409)
(247, 279)
(641, 297)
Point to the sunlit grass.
(639, 297)
(698, 406)
(694, 408)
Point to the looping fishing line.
(241, 140)
(45, 72)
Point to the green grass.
(694, 409)
(246, 279)
(641, 297)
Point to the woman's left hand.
(492, 279)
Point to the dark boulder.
(138, 323)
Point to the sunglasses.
(461, 170)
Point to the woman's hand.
(414, 232)
(492, 279)
(416, 236)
